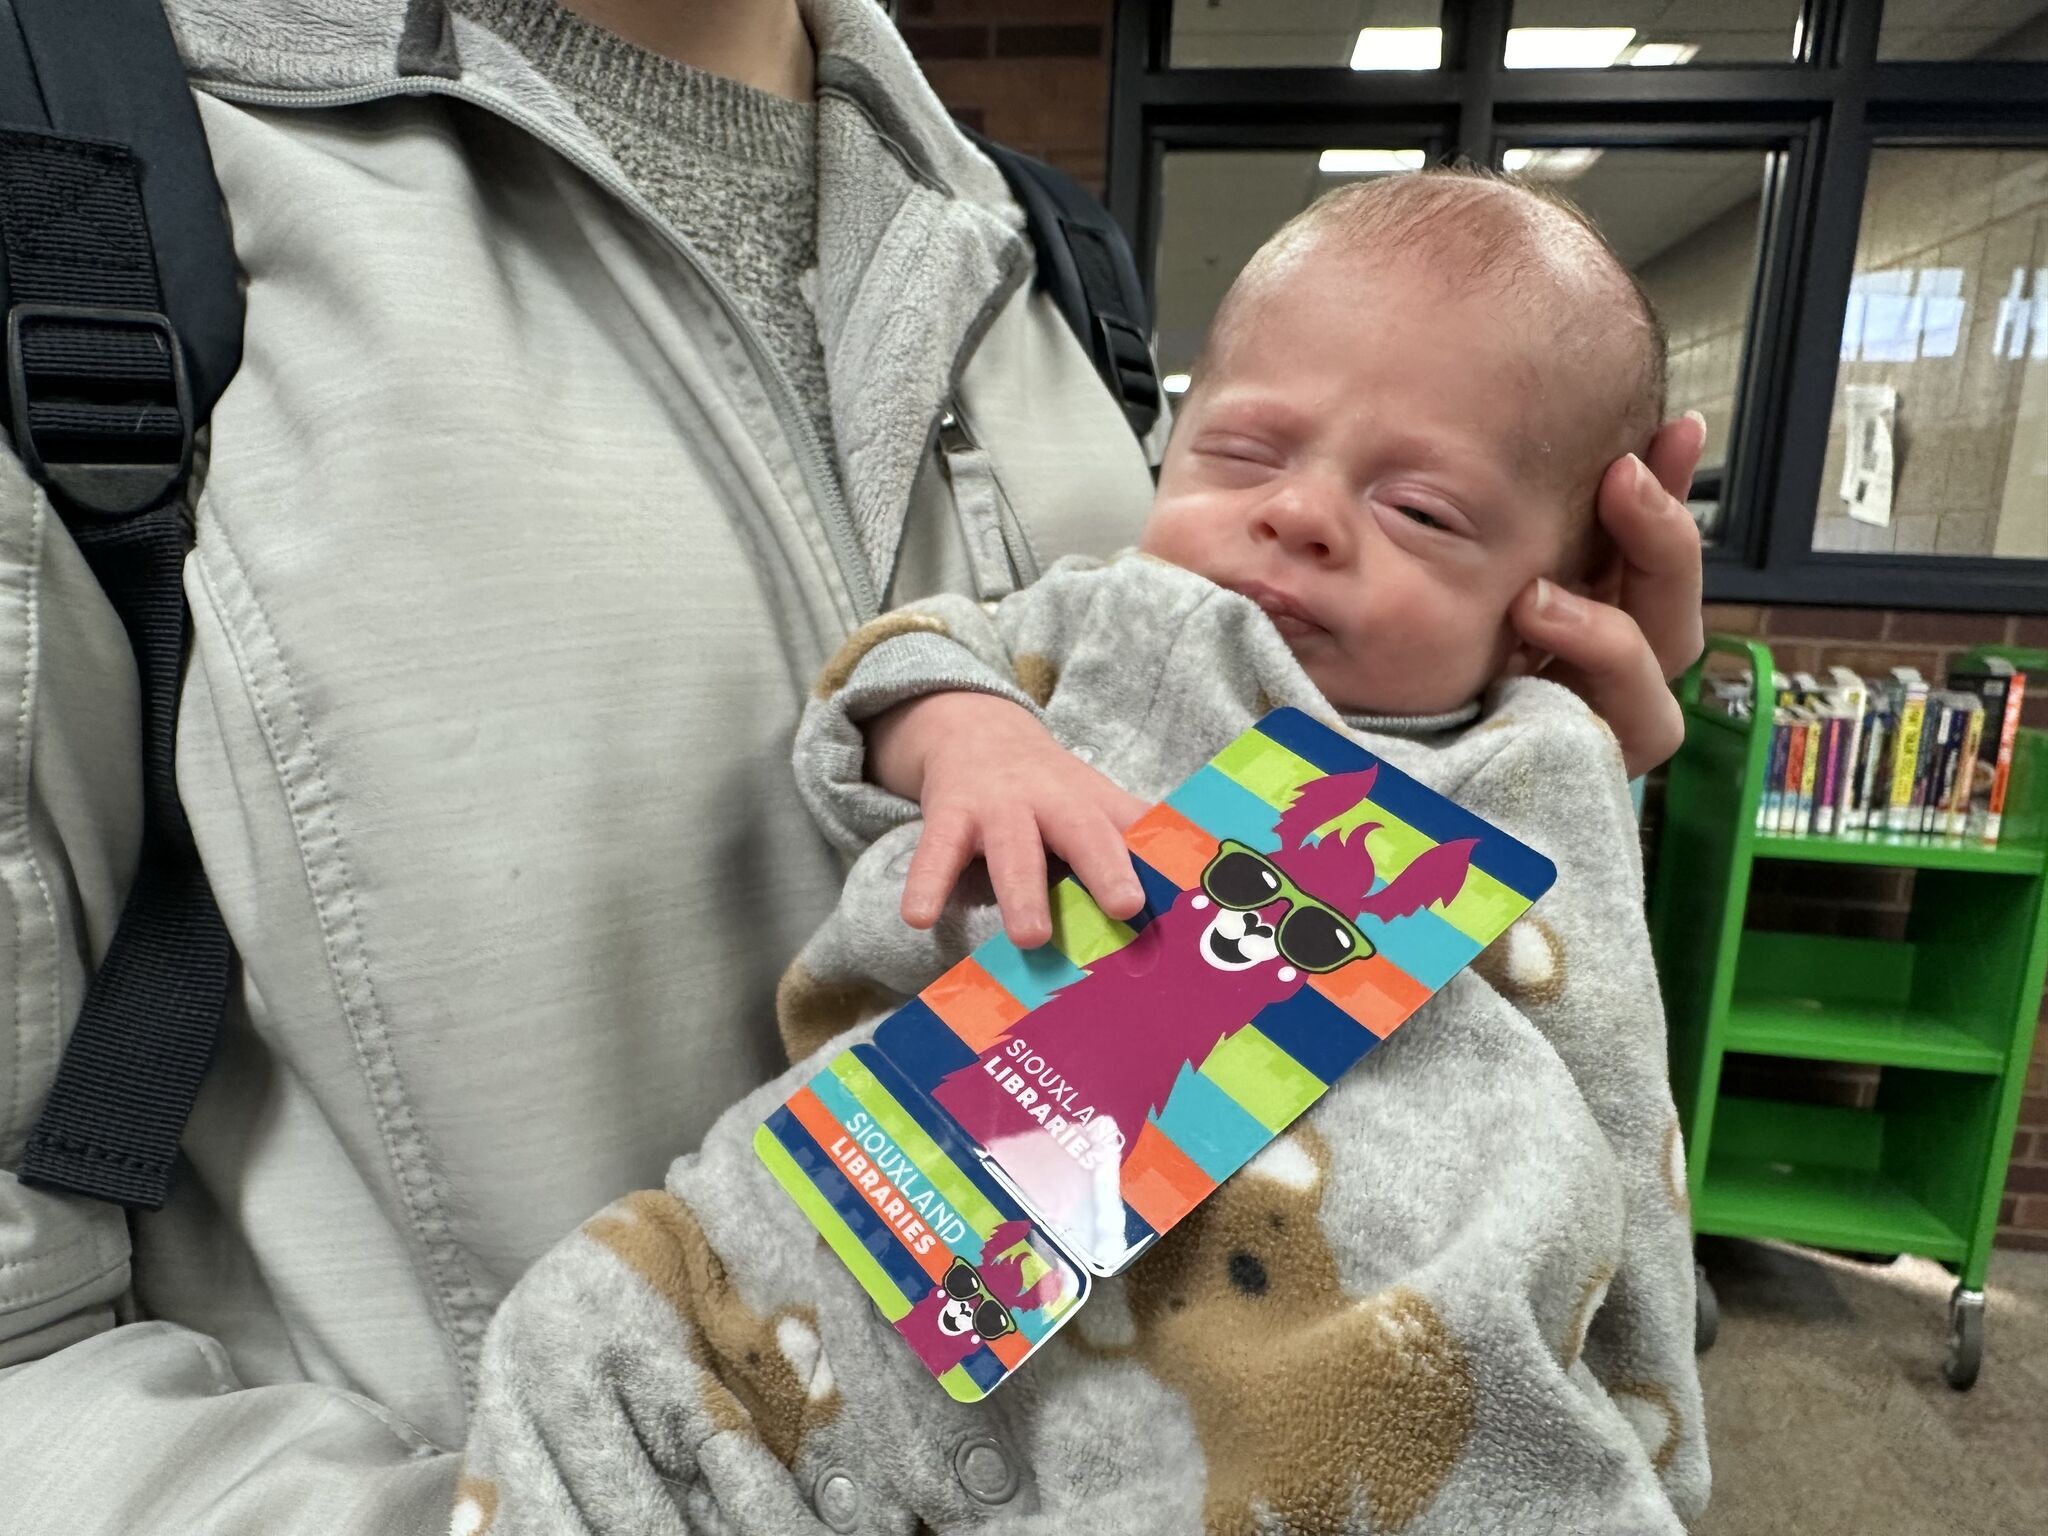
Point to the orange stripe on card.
(975, 1006)
(1011, 1349)
(825, 1129)
(1161, 1182)
(1374, 991)
(1171, 844)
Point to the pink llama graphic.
(1061, 1097)
(970, 1306)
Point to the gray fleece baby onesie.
(1455, 1297)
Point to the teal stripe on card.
(1028, 975)
(1222, 807)
(1217, 1132)
(1423, 945)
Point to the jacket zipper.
(819, 480)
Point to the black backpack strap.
(123, 325)
(1085, 264)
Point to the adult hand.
(993, 781)
(1618, 648)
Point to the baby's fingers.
(1016, 869)
(943, 849)
(1095, 851)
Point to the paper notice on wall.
(1867, 466)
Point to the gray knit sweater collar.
(721, 118)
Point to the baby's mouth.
(1289, 617)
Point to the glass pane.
(1686, 222)
(1938, 443)
(1593, 34)
(1324, 34)
(1963, 29)
(1216, 207)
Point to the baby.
(1400, 421)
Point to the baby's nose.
(1308, 519)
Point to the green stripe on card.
(1484, 907)
(1082, 931)
(1270, 1085)
(887, 1294)
(961, 1387)
(1260, 764)
(953, 1186)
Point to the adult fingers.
(1599, 653)
(943, 849)
(1658, 544)
(1016, 869)
(1674, 453)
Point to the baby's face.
(1371, 457)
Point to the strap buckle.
(1125, 348)
(110, 490)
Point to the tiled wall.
(1948, 230)
(1035, 74)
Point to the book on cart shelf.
(1892, 755)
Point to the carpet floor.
(1827, 1414)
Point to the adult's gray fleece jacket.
(515, 559)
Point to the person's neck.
(761, 43)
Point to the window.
(1943, 381)
(1964, 29)
(1251, 34)
(1597, 34)
(1217, 207)
(1836, 205)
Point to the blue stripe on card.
(1315, 743)
(869, 1229)
(984, 1369)
(915, 1034)
(1316, 1032)
(1160, 892)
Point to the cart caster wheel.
(1965, 1339)
(1706, 1312)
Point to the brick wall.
(1032, 74)
(1035, 74)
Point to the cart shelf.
(1901, 850)
(1865, 1035)
(1826, 1207)
(1945, 1011)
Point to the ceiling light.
(1566, 47)
(1662, 55)
(1549, 164)
(1368, 162)
(1398, 48)
(1175, 383)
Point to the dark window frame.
(1823, 114)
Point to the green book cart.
(1947, 1012)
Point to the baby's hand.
(993, 781)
